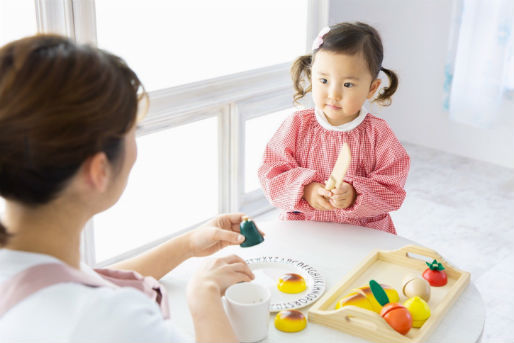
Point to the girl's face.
(340, 85)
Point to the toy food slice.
(419, 310)
(363, 297)
(291, 283)
(290, 321)
(396, 315)
(414, 285)
(340, 168)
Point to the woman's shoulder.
(77, 313)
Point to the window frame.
(266, 90)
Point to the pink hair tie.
(319, 39)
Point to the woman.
(67, 144)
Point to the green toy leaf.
(435, 265)
(378, 292)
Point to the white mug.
(247, 307)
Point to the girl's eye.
(348, 84)
(324, 81)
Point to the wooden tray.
(388, 267)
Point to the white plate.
(268, 270)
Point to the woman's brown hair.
(347, 38)
(60, 103)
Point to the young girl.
(67, 145)
(342, 73)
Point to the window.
(173, 185)
(17, 19)
(170, 43)
(258, 131)
(217, 73)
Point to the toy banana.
(363, 297)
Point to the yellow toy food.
(290, 321)
(291, 283)
(363, 297)
(419, 310)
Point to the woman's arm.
(160, 260)
(205, 240)
(204, 297)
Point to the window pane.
(170, 42)
(258, 131)
(173, 185)
(17, 19)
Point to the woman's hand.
(317, 196)
(204, 293)
(343, 196)
(220, 273)
(216, 234)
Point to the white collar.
(322, 120)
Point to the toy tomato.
(396, 315)
(435, 274)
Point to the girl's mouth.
(333, 107)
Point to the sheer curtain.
(480, 70)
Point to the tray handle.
(405, 253)
(359, 322)
(418, 250)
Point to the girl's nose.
(335, 92)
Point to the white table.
(334, 250)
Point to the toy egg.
(291, 283)
(413, 285)
(419, 310)
(398, 317)
(290, 321)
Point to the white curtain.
(480, 70)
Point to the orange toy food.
(363, 297)
(290, 321)
(396, 315)
(291, 283)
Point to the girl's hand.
(343, 196)
(218, 274)
(216, 234)
(317, 196)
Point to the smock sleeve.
(281, 177)
(381, 191)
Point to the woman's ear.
(97, 171)
(373, 88)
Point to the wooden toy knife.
(340, 168)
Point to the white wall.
(415, 36)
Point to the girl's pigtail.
(4, 235)
(384, 98)
(301, 75)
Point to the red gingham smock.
(302, 151)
